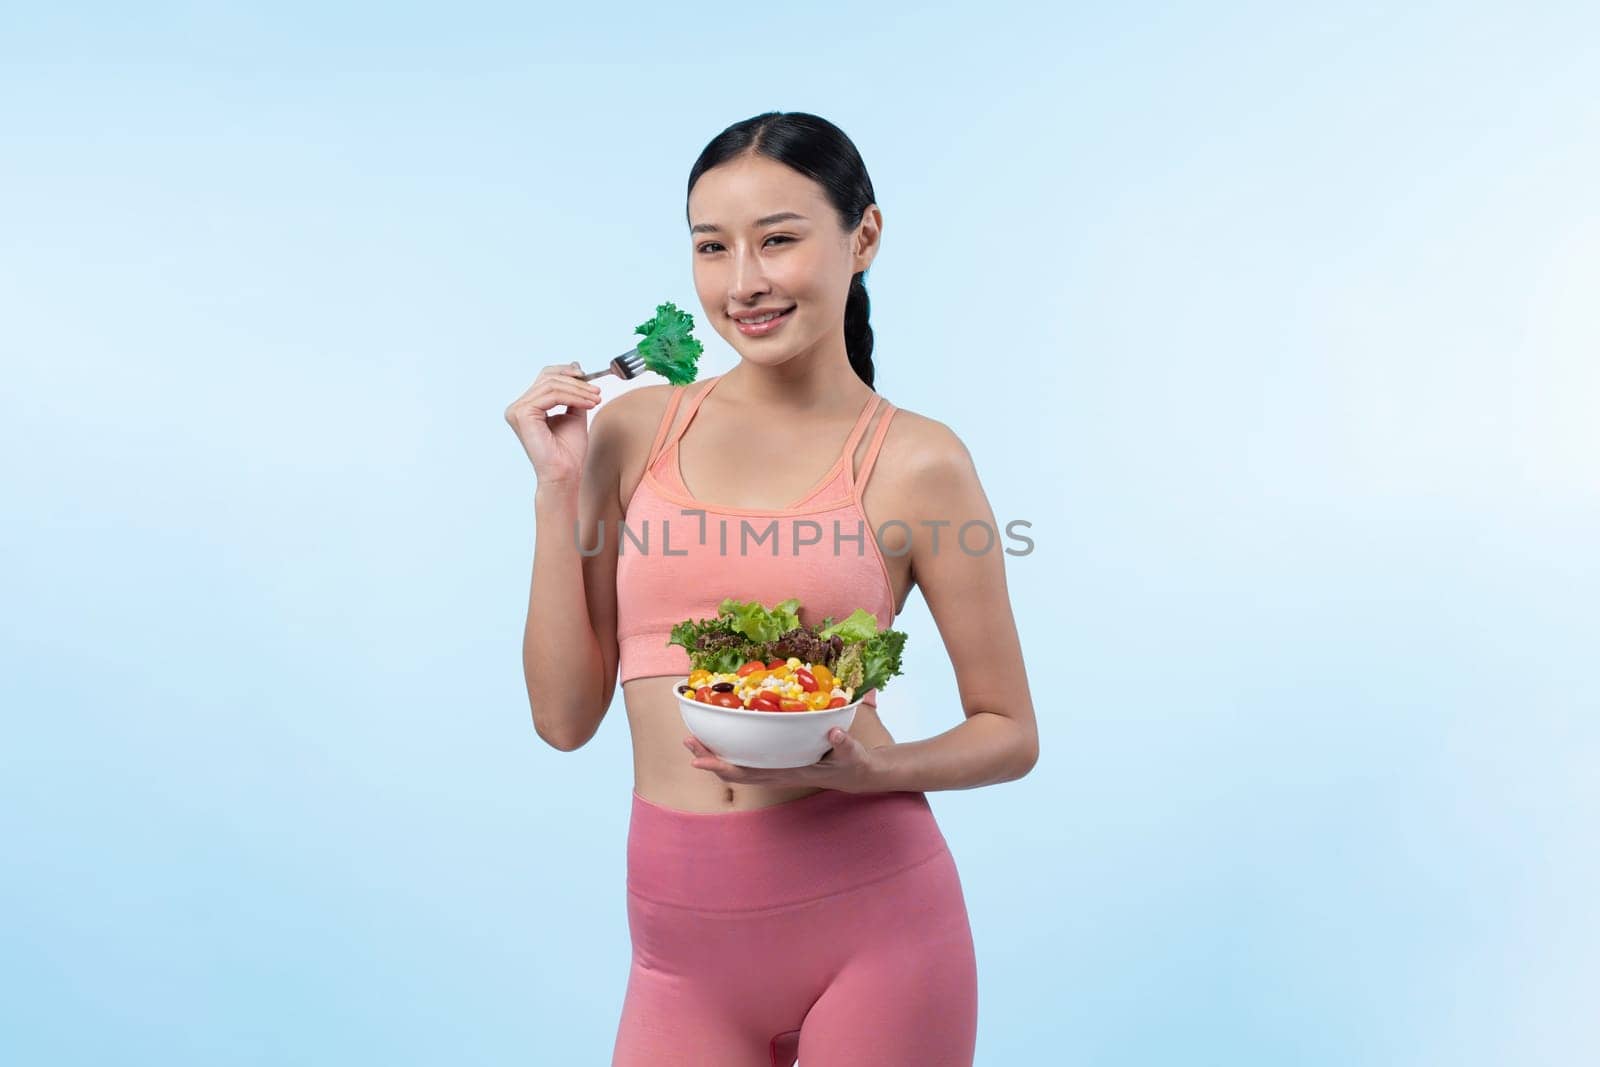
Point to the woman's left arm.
(958, 561)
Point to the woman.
(813, 911)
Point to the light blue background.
(1277, 322)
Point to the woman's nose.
(748, 279)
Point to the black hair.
(820, 150)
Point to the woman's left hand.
(849, 766)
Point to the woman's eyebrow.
(765, 220)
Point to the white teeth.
(764, 318)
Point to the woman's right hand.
(555, 443)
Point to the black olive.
(722, 687)
(684, 689)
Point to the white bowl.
(763, 738)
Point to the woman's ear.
(868, 238)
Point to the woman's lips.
(762, 328)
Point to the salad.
(762, 659)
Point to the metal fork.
(626, 366)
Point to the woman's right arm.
(569, 644)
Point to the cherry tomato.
(836, 702)
(774, 664)
(792, 705)
(764, 702)
(753, 665)
(726, 700)
(807, 680)
(703, 694)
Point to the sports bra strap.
(666, 421)
(878, 434)
(665, 441)
(688, 415)
(850, 443)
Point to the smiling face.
(749, 259)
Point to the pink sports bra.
(675, 563)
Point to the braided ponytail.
(857, 330)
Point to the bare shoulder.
(634, 411)
(621, 431)
(921, 454)
(926, 480)
(623, 426)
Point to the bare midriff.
(662, 769)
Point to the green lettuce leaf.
(753, 620)
(850, 670)
(880, 656)
(870, 656)
(724, 660)
(859, 625)
(669, 347)
(687, 633)
(714, 645)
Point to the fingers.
(556, 384)
(565, 381)
(707, 760)
(564, 371)
(568, 391)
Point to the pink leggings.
(832, 927)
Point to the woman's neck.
(802, 386)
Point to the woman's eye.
(714, 244)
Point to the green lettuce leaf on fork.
(669, 346)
